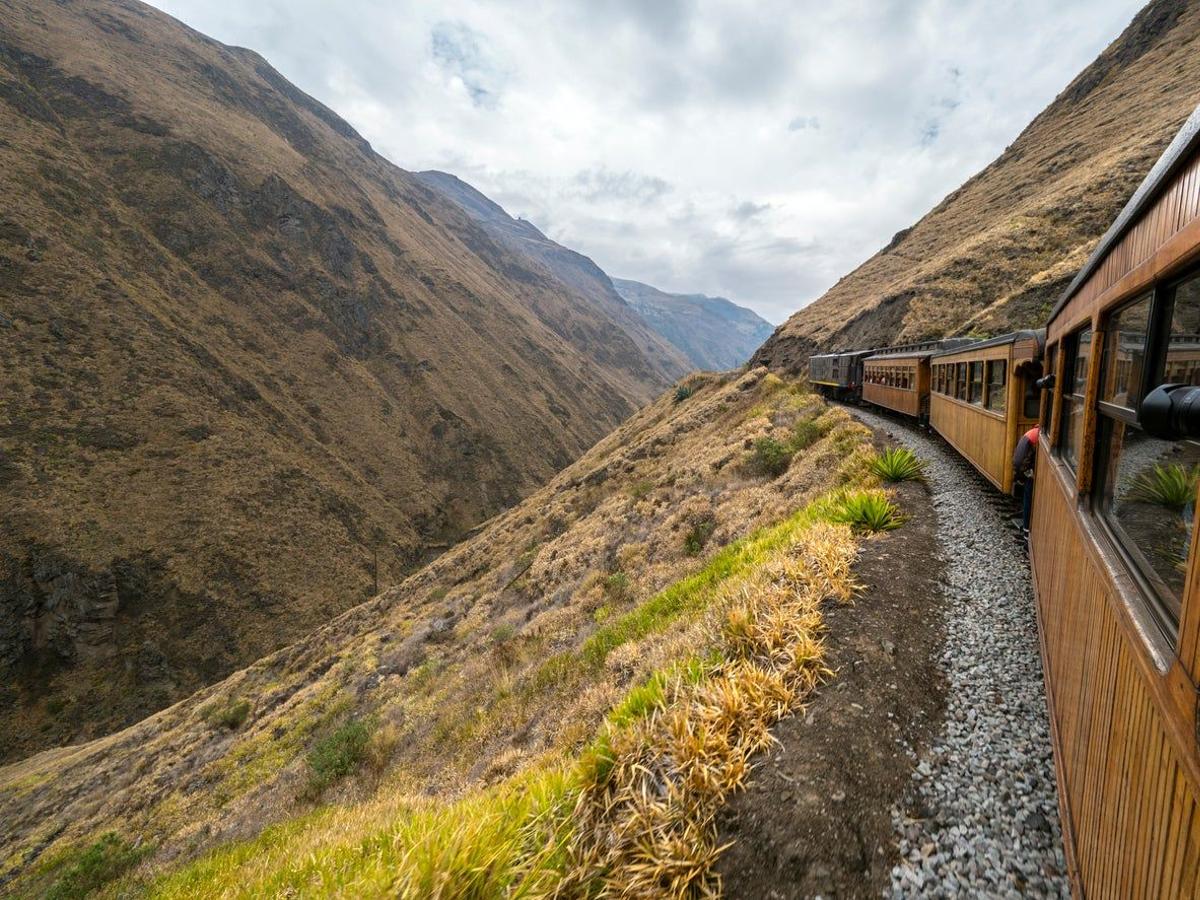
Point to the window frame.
(1068, 398)
(990, 366)
(1158, 334)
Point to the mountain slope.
(240, 355)
(715, 333)
(590, 286)
(994, 254)
(499, 659)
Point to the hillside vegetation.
(607, 654)
(996, 253)
(243, 356)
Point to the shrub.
(682, 393)
(806, 433)
(616, 586)
(1171, 486)
(99, 864)
(380, 747)
(771, 457)
(898, 464)
(640, 489)
(868, 511)
(337, 754)
(231, 714)
(698, 536)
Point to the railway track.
(982, 815)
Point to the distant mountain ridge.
(244, 362)
(715, 333)
(680, 331)
(995, 253)
(590, 285)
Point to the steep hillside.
(440, 722)
(715, 333)
(994, 254)
(240, 355)
(591, 288)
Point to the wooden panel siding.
(1123, 730)
(978, 434)
(912, 401)
(985, 437)
(1120, 674)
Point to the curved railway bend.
(924, 768)
(982, 817)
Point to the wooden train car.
(897, 378)
(1114, 546)
(838, 375)
(983, 397)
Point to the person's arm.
(1021, 456)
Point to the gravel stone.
(984, 795)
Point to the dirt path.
(817, 817)
(923, 768)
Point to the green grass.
(231, 714)
(682, 393)
(1171, 486)
(897, 464)
(337, 754)
(869, 511)
(698, 536)
(771, 457)
(97, 865)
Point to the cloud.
(757, 152)
(458, 49)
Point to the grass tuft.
(897, 464)
(337, 755)
(231, 714)
(97, 865)
(1171, 486)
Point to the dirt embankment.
(817, 817)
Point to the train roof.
(920, 348)
(842, 353)
(1173, 159)
(1011, 338)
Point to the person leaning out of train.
(1023, 461)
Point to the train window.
(960, 381)
(1073, 395)
(997, 377)
(976, 381)
(1147, 486)
(1048, 396)
(1125, 354)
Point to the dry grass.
(499, 661)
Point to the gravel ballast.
(982, 816)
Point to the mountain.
(432, 716)
(591, 288)
(244, 361)
(715, 333)
(996, 252)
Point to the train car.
(838, 375)
(983, 397)
(897, 378)
(1114, 546)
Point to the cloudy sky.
(754, 150)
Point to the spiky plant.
(869, 511)
(898, 464)
(1172, 486)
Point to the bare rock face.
(995, 254)
(49, 608)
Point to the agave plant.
(869, 511)
(1172, 486)
(898, 464)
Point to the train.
(1113, 382)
